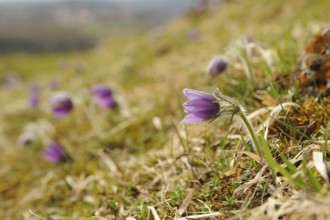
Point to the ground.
(137, 161)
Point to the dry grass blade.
(121, 127)
(257, 179)
(212, 215)
(38, 216)
(259, 112)
(299, 206)
(274, 114)
(320, 165)
(251, 116)
(322, 142)
(154, 212)
(184, 204)
(109, 162)
(253, 156)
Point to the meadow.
(264, 156)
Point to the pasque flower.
(193, 34)
(217, 66)
(201, 106)
(55, 153)
(54, 84)
(103, 97)
(200, 6)
(249, 40)
(34, 96)
(61, 105)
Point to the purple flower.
(201, 6)
(217, 66)
(34, 96)
(201, 106)
(54, 84)
(61, 105)
(10, 80)
(55, 153)
(249, 40)
(26, 139)
(103, 96)
(193, 34)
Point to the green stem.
(256, 143)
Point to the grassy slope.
(138, 164)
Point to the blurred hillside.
(138, 160)
(39, 26)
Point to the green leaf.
(144, 212)
(292, 128)
(292, 168)
(311, 176)
(273, 165)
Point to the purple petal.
(196, 118)
(107, 102)
(195, 94)
(101, 90)
(54, 153)
(217, 66)
(103, 96)
(34, 96)
(33, 100)
(60, 113)
(200, 105)
(61, 105)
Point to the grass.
(147, 165)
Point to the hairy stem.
(255, 140)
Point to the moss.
(304, 122)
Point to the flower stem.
(92, 118)
(256, 143)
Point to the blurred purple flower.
(34, 96)
(26, 139)
(55, 153)
(193, 34)
(216, 66)
(249, 40)
(200, 6)
(61, 105)
(103, 97)
(54, 84)
(10, 80)
(201, 106)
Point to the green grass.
(146, 159)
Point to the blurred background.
(38, 26)
(126, 159)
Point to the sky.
(66, 0)
(60, 0)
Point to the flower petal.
(200, 105)
(108, 102)
(61, 105)
(54, 152)
(217, 66)
(195, 94)
(196, 118)
(101, 91)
